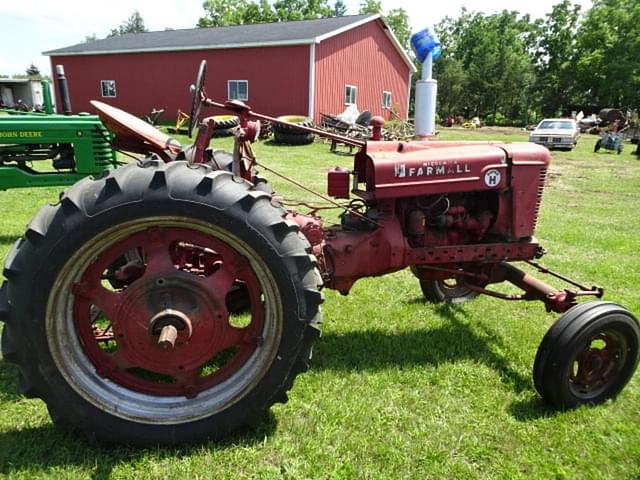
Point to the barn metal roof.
(240, 36)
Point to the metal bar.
(327, 199)
(543, 269)
(321, 133)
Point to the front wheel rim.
(596, 367)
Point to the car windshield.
(549, 124)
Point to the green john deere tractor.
(52, 150)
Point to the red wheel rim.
(180, 279)
(598, 364)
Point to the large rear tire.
(587, 356)
(158, 355)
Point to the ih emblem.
(492, 178)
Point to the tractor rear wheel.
(449, 291)
(587, 356)
(159, 354)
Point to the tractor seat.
(135, 135)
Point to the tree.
(288, 10)
(370, 6)
(219, 13)
(452, 86)
(607, 63)
(555, 57)
(398, 20)
(339, 9)
(259, 13)
(33, 71)
(90, 38)
(488, 58)
(133, 24)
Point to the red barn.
(303, 67)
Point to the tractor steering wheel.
(197, 97)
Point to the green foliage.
(452, 85)
(507, 64)
(370, 6)
(287, 10)
(339, 9)
(398, 20)
(555, 57)
(485, 57)
(133, 24)
(608, 54)
(33, 72)
(220, 13)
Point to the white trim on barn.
(396, 43)
(346, 28)
(312, 79)
(409, 94)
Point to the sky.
(30, 27)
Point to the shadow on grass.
(8, 239)
(454, 341)
(8, 383)
(531, 409)
(48, 449)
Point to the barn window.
(350, 94)
(386, 99)
(108, 88)
(238, 89)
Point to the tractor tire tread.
(281, 128)
(293, 138)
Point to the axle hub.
(166, 324)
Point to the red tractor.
(174, 299)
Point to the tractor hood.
(399, 169)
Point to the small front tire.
(587, 356)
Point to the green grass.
(400, 388)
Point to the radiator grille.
(542, 177)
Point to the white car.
(556, 133)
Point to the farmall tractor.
(174, 299)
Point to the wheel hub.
(169, 324)
(166, 324)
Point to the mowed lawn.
(400, 388)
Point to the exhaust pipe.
(63, 87)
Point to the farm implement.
(175, 299)
(38, 150)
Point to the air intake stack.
(427, 48)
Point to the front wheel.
(120, 305)
(587, 356)
(448, 291)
